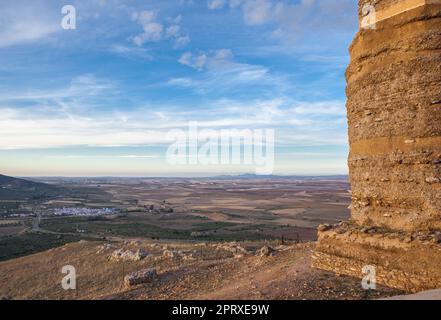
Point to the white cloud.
(131, 52)
(291, 18)
(176, 20)
(184, 82)
(81, 86)
(328, 108)
(21, 24)
(222, 55)
(220, 71)
(220, 4)
(195, 61)
(154, 31)
(74, 102)
(172, 31)
(214, 59)
(216, 4)
(235, 3)
(181, 41)
(21, 32)
(299, 123)
(134, 156)
(257, 11)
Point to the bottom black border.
(167, 309)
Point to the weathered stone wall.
(408, 261)
(394, 113)
(388, 8)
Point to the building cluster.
(75, 211)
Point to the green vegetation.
(89, 194)
(212, 225)
(20, 189)
(105, 228)
(29, 243)
(235, 236)
(130, 227)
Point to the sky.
(101, 99)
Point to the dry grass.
(214, 274)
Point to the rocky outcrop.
(104, 248)
(127, 255)
(265, 251)
(169, 254)
(232, 247)
(140, 277)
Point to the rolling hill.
(21, 189)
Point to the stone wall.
(394, 113)
(408, 261)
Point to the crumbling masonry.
(394, 114)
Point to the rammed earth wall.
(394, 115)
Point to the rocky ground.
(169, 270)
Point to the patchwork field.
(224, 209)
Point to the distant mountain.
(21, 189)
(249, 176)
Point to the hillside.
(185, 271)
(21, 189)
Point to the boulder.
(168, 254)
(189, 257)
(432, 180)
(324, 227)
(128, 255)
(265, 251)
(232, 247)
(139, 277)
(104, 248)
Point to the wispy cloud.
(98, 156)
(154, 30)
(297, 122)
(219, 71)
(85, 85)
(135, 156)
(131, 52)
(26, 22)
(134, 70)
(291, 18)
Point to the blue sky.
(99, 100)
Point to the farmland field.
(224, 209)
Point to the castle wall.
(394, 115)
